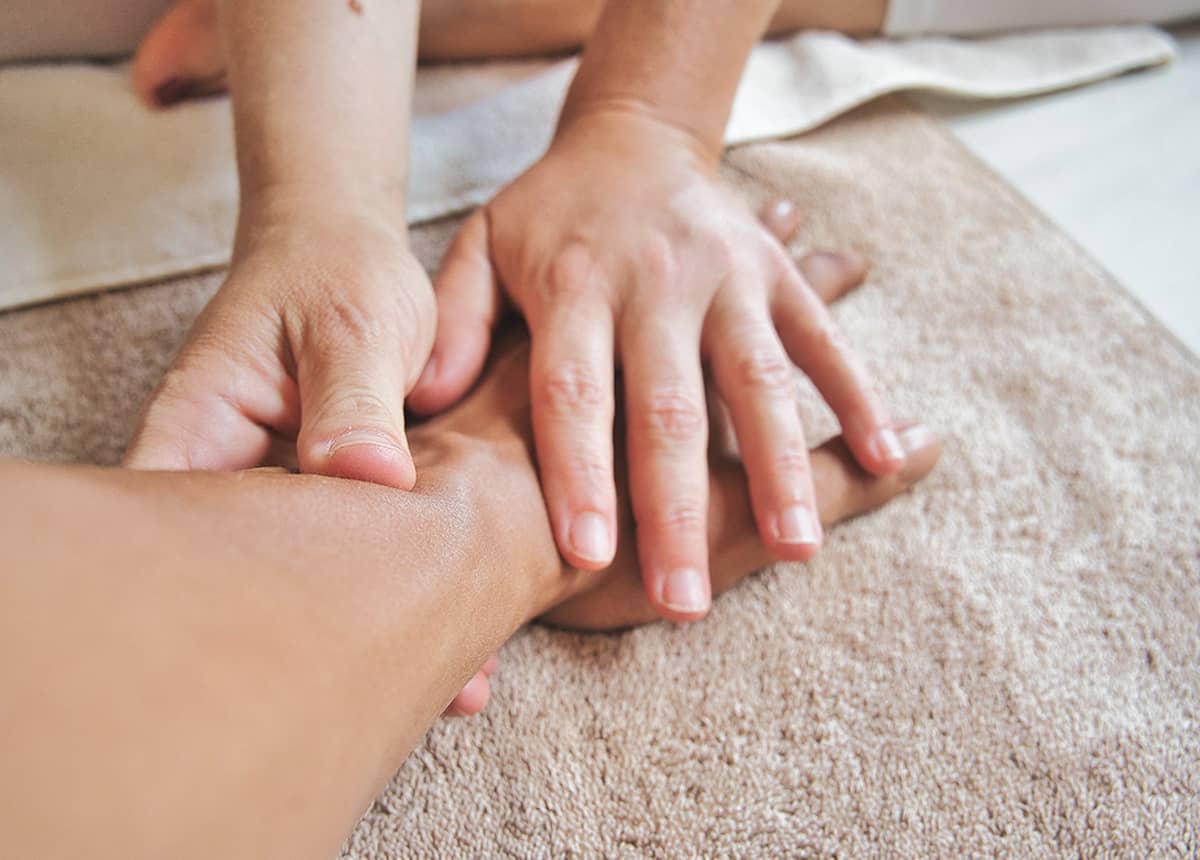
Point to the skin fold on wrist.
(301, 214)
(682, 59)
(624, 119)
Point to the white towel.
(96, 191)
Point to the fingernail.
(353, 437)
(685, 590)
(798, 525)
(170, 91)
(916, 438)
(887, 446)
(590, 538)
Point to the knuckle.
(351, 317)
(722, 250)
(791, 460)
(570, 388)
(658, 264)
(764, 370)
(588, 472)
(672, 415)
(367, 317)
(572, 272)
(339, 321)
(350, 405)
(678, 517)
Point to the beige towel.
(1004, 663)
(95, 191)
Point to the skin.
(326, 318)
(182, 55)
(250, 694)
(122, 650)
(327, 326)
(830, 276)
(620, 247)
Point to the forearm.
(322, 93)
(678, 60)
(860, 17)
(232, 665)
(462, 30)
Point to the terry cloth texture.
(1005, 662)
(96, 191)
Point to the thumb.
(352, 415)
(468, 300)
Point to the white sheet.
(962, 17)
(96, 192)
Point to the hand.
(620, 240)
(843, 489)
(494, 422)
(321, 328)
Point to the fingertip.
(831, 274)
(589, 542)
(683, 594)
(452, 369)
(922, 449)
(434, 395)
(857, 266)
(880, 452)
(795, 533)
(837, 266)
(426, 382)
(472, 698)
(363, 454)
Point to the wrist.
(617, 124)
(291, 212)
(490, 489)
(382, 199)
(679, 62)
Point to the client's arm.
(233, 665)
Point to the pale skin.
(618, 247)
(830, 275)
(233, 676)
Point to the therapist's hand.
(321, 328)
(619, 246)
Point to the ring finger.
(756, 380)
